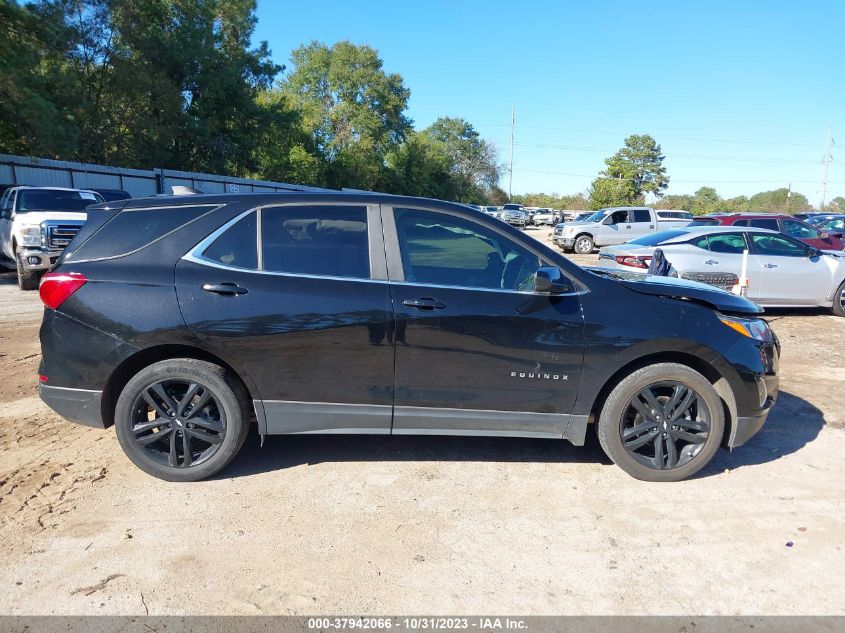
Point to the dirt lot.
(424, 525)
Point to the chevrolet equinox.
(183, 320)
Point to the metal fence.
(44, 172)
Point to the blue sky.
(739, 94)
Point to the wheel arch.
(711, 373)
(131, 365)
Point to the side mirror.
(813, 252)
(550, 279)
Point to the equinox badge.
(536, 375)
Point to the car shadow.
(285, 451)
(793, 423)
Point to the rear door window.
(641, 215)
(238, 246)
(323, 240)
(726, 243)
(762, 223)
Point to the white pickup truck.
(614, 225)
(37, 223)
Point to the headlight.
(31, 236)
(757, 329)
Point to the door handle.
(651, 226)
(711, 261)
(227, 289)
(424, 303)
(770, 265)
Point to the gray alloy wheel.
(584, 245)
(663, 422)
(182, 419)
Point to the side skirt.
(293, 417)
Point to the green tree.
(470, 162)
(637, 170)
(705, 200)
(354, 111)
(613, 192)
(31, 122)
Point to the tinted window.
(238, 246)
(642, 215)
(701, 242)
(726, 243)
(316, 240)
(446, 250)
(799, 230)
(779, 245)
(704, 222)
(652, 239)
(772, 225)
(833, 225)
(131, 230)
(55, 200)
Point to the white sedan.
(782, 271)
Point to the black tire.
(583, 245)
(838, 307)
(620, 415)
(27, 279)
(224, 414)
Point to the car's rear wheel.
(663, 422)
(584, 245)
(182, 419)
(27, 279)
(838, 307)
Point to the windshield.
(653, 239)
(512, 207)
(599, 215)
(55, 200)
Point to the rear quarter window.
(134, 229)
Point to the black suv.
(182, 320)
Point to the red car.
(786, 224)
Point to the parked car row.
(783, 271)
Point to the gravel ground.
(370, 525)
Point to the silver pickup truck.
(614, 225)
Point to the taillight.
(641, 261)
(57, 287)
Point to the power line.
(675, 138)
(750, 159)
(674, 180)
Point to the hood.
(37, 217)
(682, 289)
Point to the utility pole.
(510, 169)
(827, 159)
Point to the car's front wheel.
(182, 419)
(663, 422)
(584, 245)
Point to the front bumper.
(77, 405)
(564, 242)
(37, 259)
(749, 422)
